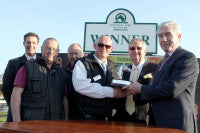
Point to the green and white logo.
(120, 18)
(121, 27)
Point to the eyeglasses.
(102, 45)
(133, 48)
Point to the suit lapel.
(143, 72)
(167, 64)
(156, 72)
(126, 74)
(23, 57)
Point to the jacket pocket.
(36, 84)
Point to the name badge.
(97, 77)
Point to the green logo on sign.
(120, 18)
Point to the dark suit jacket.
(141, 107)
(173, 92)
(8, 80)
(9, 76)
(74, 112)
(197, 98)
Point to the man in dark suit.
(140, 111)
(197, 99)
(74, 53)
(31, 42)
(172, 93)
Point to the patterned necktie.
(130, 104)
(164, 61)
(31, 59)
(104, 68)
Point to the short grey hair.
(174, 24)
(49, 39)
(73, 45)
(138, 40)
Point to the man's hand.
(196, 111)
(132, 89)
(118, 93)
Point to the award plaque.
(119, 82)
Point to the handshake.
(123, 88)
(126, 90)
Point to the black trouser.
(9, 115)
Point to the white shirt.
(99, 61)
(83, 85)
(28, 57)
(139, 67)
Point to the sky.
(65, 21)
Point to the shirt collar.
(98, 60)
(140, 65)
(170, 53)
(28, 57)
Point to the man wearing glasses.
(92, 76)
(172, 93)
(131, 108)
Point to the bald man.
(92, 76)
(74, 52)
(39, 87)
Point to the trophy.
(119, 82)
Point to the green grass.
(3, 116)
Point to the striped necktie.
(104, 68)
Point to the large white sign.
(121, 27)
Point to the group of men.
(161, 95)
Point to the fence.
(3, 110)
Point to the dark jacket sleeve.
(176, 78)
(8, 79)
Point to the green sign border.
(119, 52)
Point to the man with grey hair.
(39, 86)
(74, 52)
(92, 76)
(131, 108)
(172, 93)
